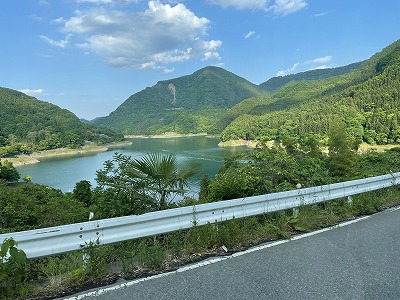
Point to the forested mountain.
(365, 100)
(28, 124)
(274, 84)
(191, 103)
(362, 95)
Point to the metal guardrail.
(60, 239)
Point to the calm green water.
(63, 173)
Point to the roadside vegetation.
(127, 186)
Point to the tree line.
(28, 124)
(369, 110)
(127, 186)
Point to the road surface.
(356, 260)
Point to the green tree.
(310, 145)
(162, 177)
(13, 263)
(267, 170)
(153, 175)
(341, 153)
(8, 172)
(290, 143)
(117, 193)
(28, 178)
(134, 182)
(83, 193)
(204, 187)
(30, 206)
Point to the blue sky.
(89, 56)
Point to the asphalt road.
(360, 260)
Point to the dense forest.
(28, 124)
(363, 95)
(187, 104)
(366, 100)
(212, 100)
(274, 84)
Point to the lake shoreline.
(64, 172)
(36, 157)
(237, 143)
(167, 135)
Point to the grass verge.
(65, 274)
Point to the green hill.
(274, 84)
(28, 124)
(187, 104)
(366, 100)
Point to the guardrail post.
(86, 258)
(85, 254)
(349, 199)
(295, 212)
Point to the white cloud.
(117, 61)
(219, 65)
(320, 60)
(318, 63)
(32, 92)
(249, 34)
(241, 4)
(320, 14)
(61, 43)
(286, 7)
(166, 71)
(58, 21)
(278, 7)
(36, 18)
(160, 35)
(288, 71)
(211, 45)
(321, 67)
(211, 56)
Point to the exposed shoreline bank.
(25, 159)
(36, 157)
(231, 143)
(363, 148)
(166, 135)
(236, 143)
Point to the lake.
(64, 173)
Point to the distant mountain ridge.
(167, 105)
(198, 102)
(363, 95)
(274, 84)
(366, 100)
(28, 124)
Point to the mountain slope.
(28, 124)
(274, 84)
(184, 104)
(366, 100)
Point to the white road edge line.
(215, 260)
